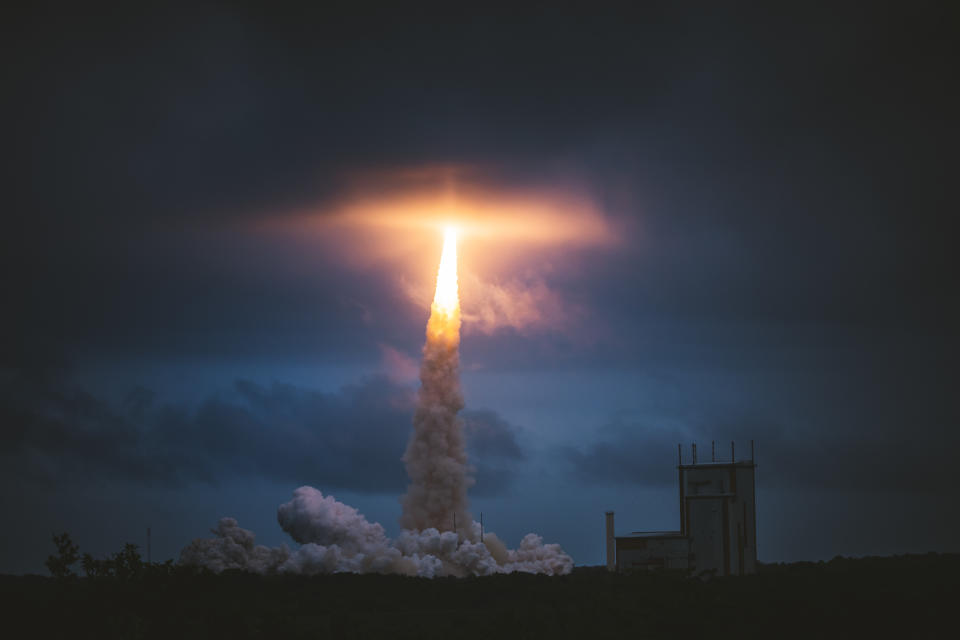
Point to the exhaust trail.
(334, 537)
(436, 457)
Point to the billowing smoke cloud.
(440, 537)
(233, 548)
(336, 538)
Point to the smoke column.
(335, 537)
(436, 457)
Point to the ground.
(906, 596)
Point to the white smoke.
(233, 548)
(440, 537)
(336, 538)
(436, 456)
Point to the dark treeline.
(123, 597)
(126, 564)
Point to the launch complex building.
(718, 522)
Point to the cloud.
(515, 238)
(524, 304)
(62, 433)
(628, 451)
(725, 215)
(351, 439)
(494, 451)
(398, 366)
(490, 436)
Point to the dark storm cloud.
(353, 439)
(762, 155)
(783, 177)
(490, 435)
(349, 439)
(827, 454)
(234, 108)
(494, 451)
(628, 453)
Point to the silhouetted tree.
(67, 555)
(94, 568)
(127, 564)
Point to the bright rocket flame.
(446, 299)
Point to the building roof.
(700, 465)
(653, 534)
(700, 496)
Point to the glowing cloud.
(515, 238)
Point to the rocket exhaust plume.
(335, 537)
(436, 457)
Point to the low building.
(718, 523)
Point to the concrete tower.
(718, 522)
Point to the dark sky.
(779, 187)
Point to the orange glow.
(397, 205)
(516, 237)
(540, 218)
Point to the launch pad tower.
(718, 522)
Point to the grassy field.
(906, 596)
